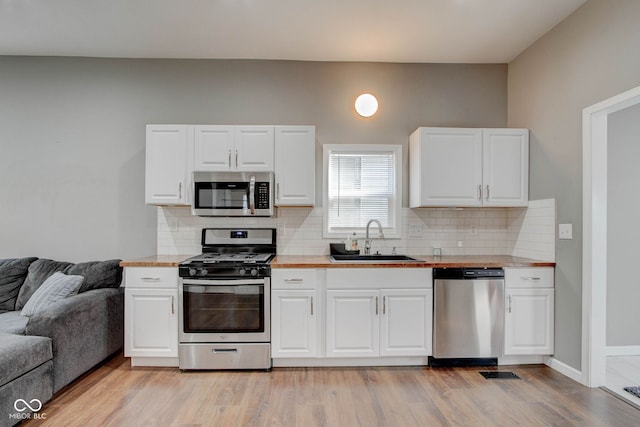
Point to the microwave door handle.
(252, 193)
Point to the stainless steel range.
(225, 300)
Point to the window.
(362, 182)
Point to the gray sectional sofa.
(59, 340)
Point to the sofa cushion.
(57, 286)
(20, 354)
(13, 271)
(12, 322)
(97, 274)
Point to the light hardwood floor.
(118, 395)
(623, 371)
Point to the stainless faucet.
(367, 241)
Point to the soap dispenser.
(354, 242)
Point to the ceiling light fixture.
(366, 105)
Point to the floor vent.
(503, 375)
(633, 390)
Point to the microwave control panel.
(262, 195)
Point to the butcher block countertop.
(322, 261)
(156, 261)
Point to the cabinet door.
(406, 320)
(213, 148)
(529, 320)
(254, 148)
(166, 172)
(293, 323)
(295, 165)
(151, 323)
(446, 169)
(353, 327)
(506, 167)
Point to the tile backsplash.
(526, 232)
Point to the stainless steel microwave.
(233, 193)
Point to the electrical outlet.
(415, 230)
(565, 231)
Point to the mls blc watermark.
(22, 406)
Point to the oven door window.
(221, 195)
(228, 309)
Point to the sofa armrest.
(84, 329)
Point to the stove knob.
(192, 272)
(203, 272)
(254, 271)
(242, 272)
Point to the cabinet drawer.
(293, 278)
(378, 278)
(151, 277)
(537, 277)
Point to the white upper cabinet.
(295, 165)
(213, 148)
(233, 148)
(505, 167)
(469, 167)
(254, 148)
(167, 169)
(445, 167)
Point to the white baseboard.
(565, 369)
(623, 350)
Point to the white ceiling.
(467, 31)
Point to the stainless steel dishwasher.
(468, 316)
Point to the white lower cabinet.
(380, 321)
(387, 322)
(529, 311)
(353, 326)
(295, 309)
(151, 316)
(406, 322)
(293, 323)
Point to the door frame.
(594, 214)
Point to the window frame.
(393, 232)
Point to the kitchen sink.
(372, 258)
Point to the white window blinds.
(361, 185)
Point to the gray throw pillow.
(58, 286)
(97, 274)
(13, 271)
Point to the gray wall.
(72, 131)
(587, 58)
(623, 233)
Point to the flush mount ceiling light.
(366, 105)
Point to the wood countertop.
(322, 261)
(156, 261)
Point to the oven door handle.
(232, 282)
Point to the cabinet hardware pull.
(479, 191)
(376, 306)
(294, 280)
(236, 159)
(509, 303)
(229, 159)
(487, 196)
(312, 306)
(530, 278)
(180, 191)
(151, 279)
(384, 304)
(172, 307)
(277, 191)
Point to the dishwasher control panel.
(468, 273)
